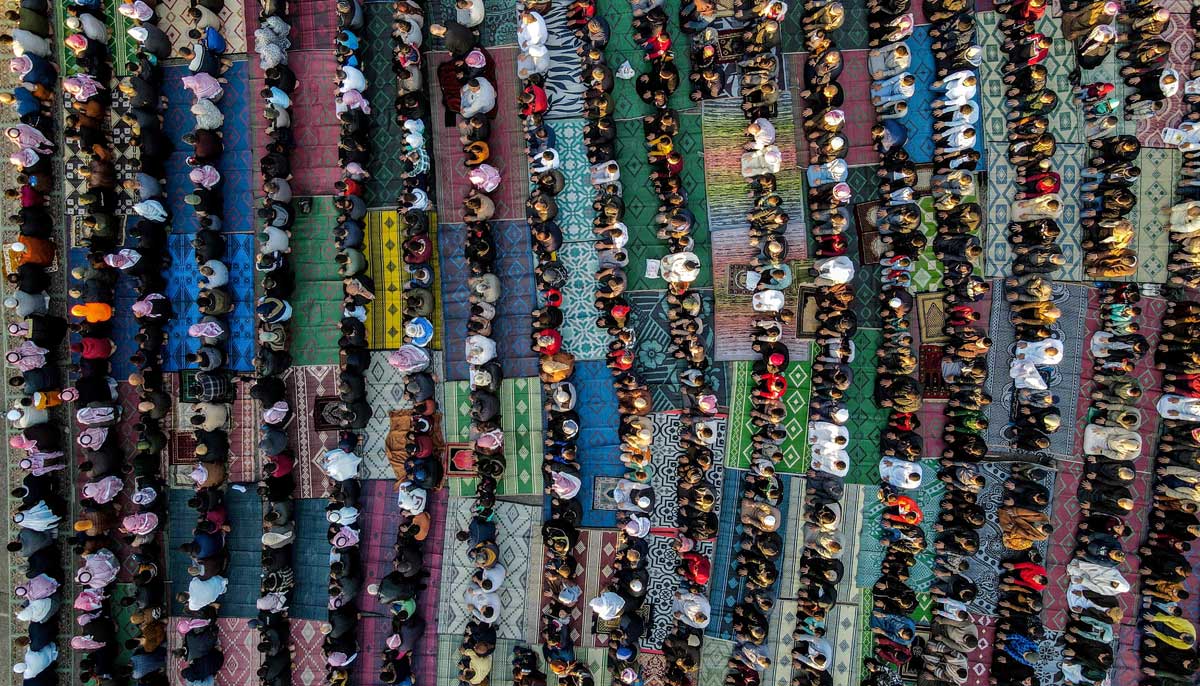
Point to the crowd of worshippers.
(1168, 640)
(400, 589)
(271, 43)
(1032, 232)
(1111, 444)
(562, 476)
(820, 565)
(1184, 260)
(620, 604)
(1107, 191)
(695, 496)
(899, 221)
(352, 411)
(1168, 651)
(761, 543)
(468, 84)
(100, 529)
(34, 358)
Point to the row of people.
(1167, 643)
(352, 412)
(621, 601)
(1167, 647)
(762, 542)
(675, 223)
(900, 223)
(34, 351)
(1029, 292)
(1184, 220)
(1111, 442)
(277, 482)
(210, 415)
(1111, 446)
(98, 414)
(821, 568)
(468, 81)
(144, 184)
(400, 589)
(953, 635)
(561, 473)
(1150, 83)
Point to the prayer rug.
(985, 565)
(564, 87)
(1150, 379)
(316, 306)
(727, 589)
(622, 48)
(847, 623)
(521, 420)
(313, 23)
(386, 136)
(516, 525)
(1069, 160)
(741, 429)
(1066, 123)
(663, 585)
(593, 554)
(860, 114)
(714, 662)
(980, 659)
(243, 543)
(171, 18)
(308, 660)
(238, 172)
(385, 394)
(1063, 379)
(315, 126)
(236, 640)
(871, 551)
(310, 559)
(866, 418)
(641, 203)
(581, 336)
(510, 328)
(385, 266)
(575, 200)
(448, 655)
(507, 144)
(380, 520)
(728, 205)
(597, 442)
(667, 427)
(864, 181)
(645, 248)
(183, 278)
(1155, 191)
(309, 434)
(656, 365)
(317, 301)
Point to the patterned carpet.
(710, 139)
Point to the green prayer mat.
(641, 204)
(521, 420)
(739, 446)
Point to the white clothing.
(1172, 406)
(340, 465)
(205, 592)
(901, 473)
(1045, 352)
(607, 605)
